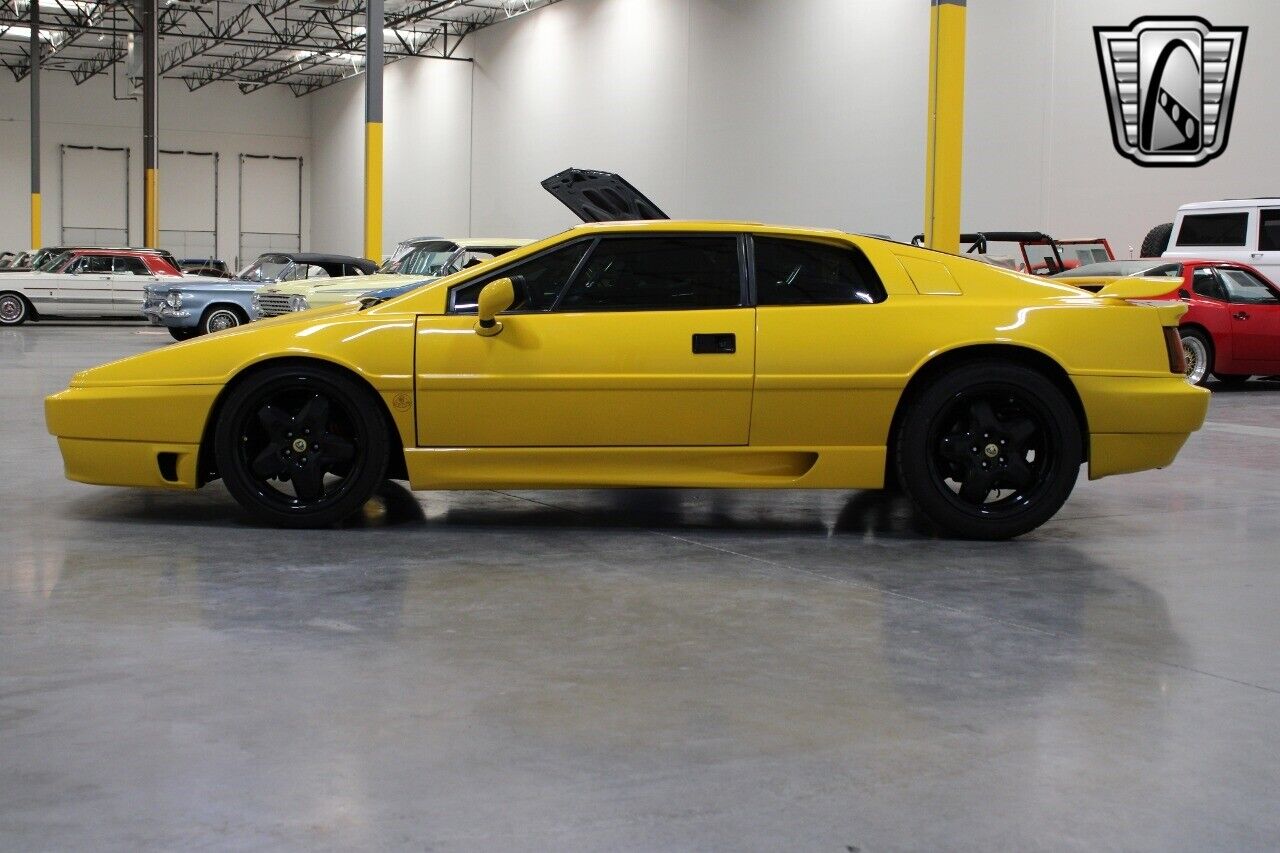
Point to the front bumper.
(163, 315)
(131, 436)
(1138, 423)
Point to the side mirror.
(496, 297)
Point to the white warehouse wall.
(426, 152)
(215, 118)
(803, 111)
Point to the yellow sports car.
(663, 354)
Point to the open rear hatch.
(601, 196)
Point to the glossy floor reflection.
(635, 669)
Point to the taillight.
(1173, 344)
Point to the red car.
(1232, 326)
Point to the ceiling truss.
(305, 45)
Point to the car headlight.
(298, 303)
(174, 299)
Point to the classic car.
(205, 267)
(84, 283)
(417, 260)
(189, 308)
(662, 353)
(1231, 330)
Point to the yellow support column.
(36, 241)
(373, 191)
(151, 209)
(944, 147)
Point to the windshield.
(428, 258)
(266, 268)
(51, 261)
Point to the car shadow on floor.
(879, 513)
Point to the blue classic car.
(202, 305)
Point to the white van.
(1244, 230)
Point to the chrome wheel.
(13, 310)
(1197, 357)
(220, 319)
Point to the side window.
(99, 264)
(542, 277)
(1205, 282)
(130, 266)
(669, 272)
(1246, 288)
(1269, 231)
(1213, 229)
(804, 272)
(314, 271)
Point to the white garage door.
(189, 203)
(270, 205)
(94, 196)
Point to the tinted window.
(1205, 282)
(801, 272)
(1213, 229)
(541, 279)
(1245, 287)
(657, 273)
(131, 266)
(94, 264)
(1269, 231)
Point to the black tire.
(1157, 240)
(183, 334)
(217, 318)
(1197, 350)
(281, 432)
(14, 309)
(989, 450)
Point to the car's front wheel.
(13, 310)
(221, 317)
(989, 450)
(301, 446)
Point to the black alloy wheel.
(302, 446)
(989, 450)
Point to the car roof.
(1261, 201)
(512, 242)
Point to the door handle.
(719, 343)
(1255, 255)
(1241, 315)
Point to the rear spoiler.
(1128, 287)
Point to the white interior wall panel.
(188, 203)
(216, 118)
(95, 195)
(270, 205)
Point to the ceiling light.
(25, 33)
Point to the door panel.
(1254, 308)
(585, 380)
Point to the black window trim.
(834, 243)
(745, 292)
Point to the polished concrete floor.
(635, 670)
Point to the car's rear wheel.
(989, 450)
(1197, 351)
(220, 317)
(301, 446)
(14, 309)
(183, 334)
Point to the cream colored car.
(421, 259)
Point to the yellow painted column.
(36, 231)
(944, 148)
(151, 209)
(373, 191)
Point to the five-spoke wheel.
(989, 450)
(303, 446)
